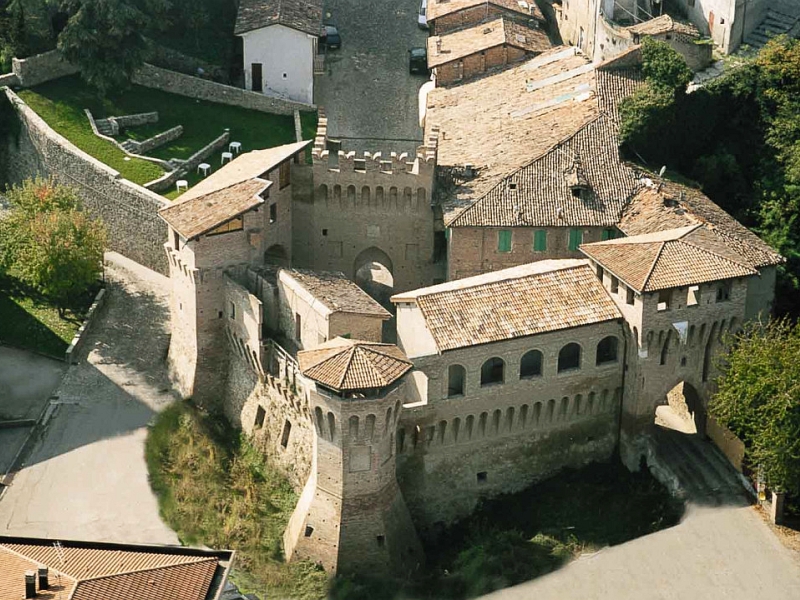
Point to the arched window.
(607, 350)
(531, 364)
(492, 371)
(569, 357)
(456, 375)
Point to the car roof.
(331, 29)
(418, 52)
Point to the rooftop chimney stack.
(30, 584)
(44, 579)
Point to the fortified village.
(407, 334)
(543, 298)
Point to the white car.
(422, 18)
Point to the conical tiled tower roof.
(349, 365)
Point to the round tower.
(351, 515)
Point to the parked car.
(330, 37)
(418, 61)
(422, 17)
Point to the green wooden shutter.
(504, 240)
(575, 238)
(540, 240)
(608, 234)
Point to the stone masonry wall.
(128, 211)
(194, 87)
(41, 68)
(157, 140)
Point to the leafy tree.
(759, 400)
(664, 67)
(49, 243)
(105, 38)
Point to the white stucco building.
(280, 42)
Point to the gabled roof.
(303, 15)
(337, 293)
(101, 571)
(249, 165)
(667, 259)
(535, 298)
(542, 194)
(196, 216)
(351, 365)
(661, 205)
(458, 44)
(501, 122)
(440, 8)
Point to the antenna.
(662, 171)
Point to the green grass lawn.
(61, 104)
(28, 321)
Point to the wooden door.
(257, 77)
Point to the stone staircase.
(775, 23)
(696, 469)
(104, 126)
(130, 146)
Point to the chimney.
(44, 579)
(30, 584)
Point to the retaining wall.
(168, 180)
(129, 211)
(73, 353)
(43, 67)
(157, 140)
(194, 87)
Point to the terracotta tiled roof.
(303, 15)
(458, 44)
(337, 292)
(667, 205)
(439, 8)
(89, 571)
(535, 298)
(667, 259)
(663, 24)
(351, 365)
(541, 193)
(501, 122)
(249, 165)
(614, 85)
(200, 215)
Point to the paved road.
(722, 553)
(86, 477)
(368, 95)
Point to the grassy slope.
(216, 490)
(29, 322)
(61, 102)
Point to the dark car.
(330, 37)
(418, 61)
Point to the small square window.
(325, 232)
(381, 541)
(664, 298)
(693, 298)
(309, 531)
(483, 477)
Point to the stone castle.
(533, 299)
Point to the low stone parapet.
(72, 354)
(168, 180)
(156, 141)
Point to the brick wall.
(128, 211)
(474, 250)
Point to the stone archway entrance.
(372, 272)
(276, 255)
(683, 410)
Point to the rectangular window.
(664, 298)
(693, 298)
(287, 430)
(260, 416)
(608, 234)
(600, 272)
(724, 291)
(176, 240)
(298, 326)
(285, 174)
(273, 212)
(232, 310)
(629, 296)
(540, 240)
(575, 239)
(614, 285)
(504, 240)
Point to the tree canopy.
(48, 243)
(759, 400)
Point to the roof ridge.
(369, 356)
(713, 253)
(352, 349)
(653, 266)
(147, 569)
